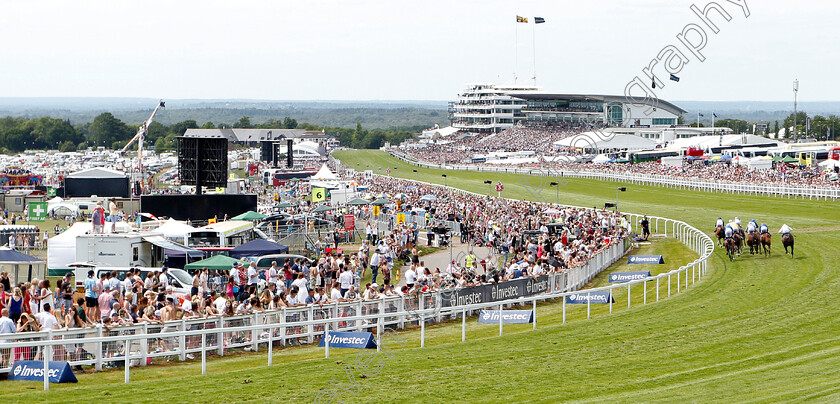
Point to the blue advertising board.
(508, 317)
(621, 277)
(645, 259)
(356, 340)
(59, 372)
(591, 297)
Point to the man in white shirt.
(410, 277)
(164, 278)
(345, 280)
(253, 278)
(47, 319)
(220, 303)
(335, 293)
(273, 273)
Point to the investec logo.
(651, 260)
(494, 315)
(628, 277)
(26, 371)
(590, 298)
(504, 292)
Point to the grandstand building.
(488, 108)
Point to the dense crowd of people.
(540, 142)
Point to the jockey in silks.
(763, 229)
(752, 227)
(738, 222)
(736, 226)
(728, 231)
(718, 223)
(785, 229)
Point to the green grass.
(756, 329)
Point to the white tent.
(601, 159)
(175, 230)
(601, 142)
(63, 209)
(61, 249)
(324, 174)
(761, 163)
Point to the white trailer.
(125, 249)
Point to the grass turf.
(756, 329)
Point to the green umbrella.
(380, 201)
(789, 159)
(249, 215)
(217, 262)
(358, 201)
(286, 205)
(323, 208)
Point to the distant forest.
(106, 129)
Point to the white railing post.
(98, 365)
(47, 356)
(127, 360)
(144, 346)
(327, 340)
(535, 314)
(182, 341)
(271, 345)
(501, 324)
(220, 337)
(204, 352)
(463, 325)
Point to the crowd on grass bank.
(529, 240)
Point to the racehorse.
(765, 243)
(720, 234)
(754, 242)
(739, 242)
(731, 248)
(787, 241)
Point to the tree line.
(18, 134)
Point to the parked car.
(264, 262)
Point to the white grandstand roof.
(601, 141)
(715, 141)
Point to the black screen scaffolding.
(202, 162)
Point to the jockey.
(738, 222)
(736, 226)
(751, 227)
(785, 229)
(719, 223)
(728, 231)
(763, 229)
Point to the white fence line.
(292, 326)
(729, 187)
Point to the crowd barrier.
(729, 187)
(135, 345)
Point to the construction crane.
(141, 134)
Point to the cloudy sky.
(407, 50)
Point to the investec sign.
(621, 277)
(590, 297)
(357, 340)
(507, 317)
(645, 259)
(502, 291)
(58, 372)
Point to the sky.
(409, 50)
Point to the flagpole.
(698, 120)
(516, 52)
(534, 48)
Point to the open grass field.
(756, 329)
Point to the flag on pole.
(675, 78)
(539, 20)
(714, 114)
(701, 115)
(521, 19)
